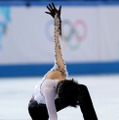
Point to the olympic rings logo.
(72, 33)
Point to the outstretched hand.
(52, 10)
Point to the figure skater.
(55, 92)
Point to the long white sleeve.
(49, 93)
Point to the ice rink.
(15, 94)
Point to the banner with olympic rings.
(89, 34)
(72, 33)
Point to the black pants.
(39, 111)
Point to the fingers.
(53, 6)
(47, 12)
(60, 10)
(53, 10)
(49, 8)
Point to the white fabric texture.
(37, 92)
(49, 92)
(40, 87)
(45, 92)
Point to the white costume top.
(45, 90)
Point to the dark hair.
(68, 92)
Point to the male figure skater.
(55, 92)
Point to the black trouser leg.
(86, 104)
(39, 111)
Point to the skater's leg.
(37, 111)
(86, 104)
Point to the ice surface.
(15, 94)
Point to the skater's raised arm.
(59, 62)
(58, 53)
